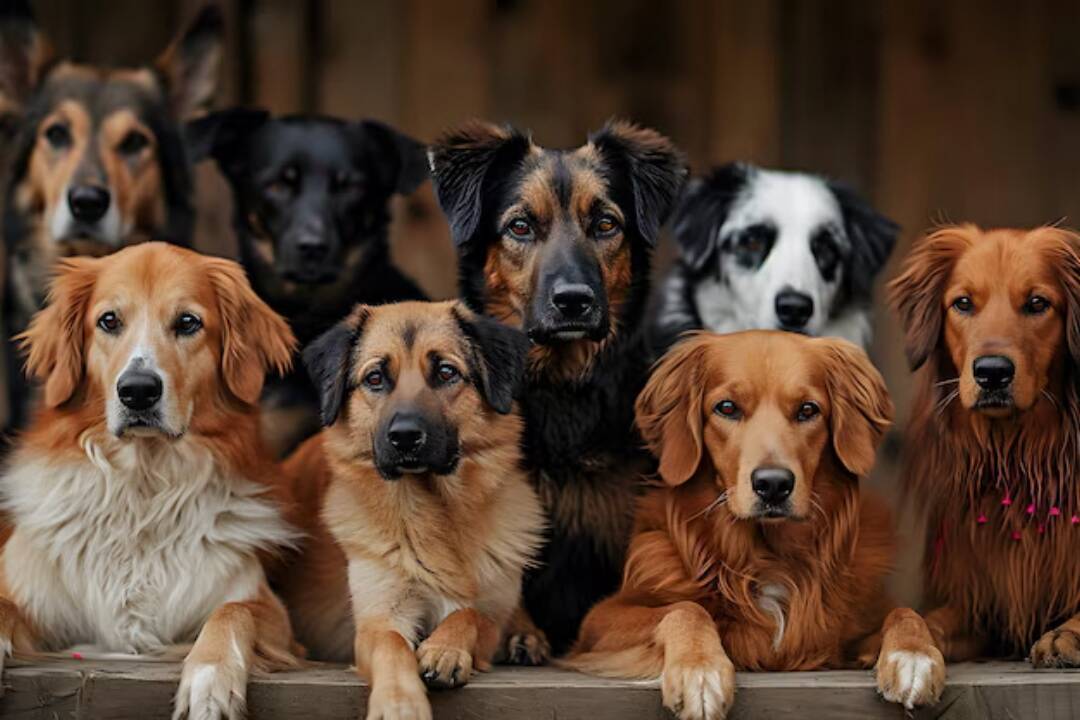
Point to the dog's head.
(99, 156)
(558, 238)
(997, 313)
(784, 250)
(150, 339)
(764, 413)
(312, 193)
(415, 387)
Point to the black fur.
(498, 359)
(327, 361)
(872, 238)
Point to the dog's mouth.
(319, 275)
(146, 425)
(398, 468)
(778, 512)
(567, 333)
(792, 329)
(83, 240)
(995, 402)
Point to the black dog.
(558, 243)
(312, 201)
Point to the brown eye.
(447, 373)
(133, 143)
(963, 304)
(807, 411)
(1036, 305)
(520, 229)
(110, 323)
(606, 227)
(728, 409)
(375, 379)
(187, 324)
(58, 135)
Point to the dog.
(765, 249)
(758, 550)
(558, 243)
(414, 499)
(138, 499)
(312, 211)
(98, 158)
(992, 325)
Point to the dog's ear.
(1065, 258)
(328, 359)
(872, 237)
(25, 55)
(916, 293)
(669, 410)
(656, 169)
(497, 357)
(254, 338)
(55, 342)
(702, 211)
(222, 136)
(404, 159)
(461, 160)
(861, 407)
(190, 65)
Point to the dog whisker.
(950, 381)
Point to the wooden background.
(936, 109)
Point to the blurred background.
(937, 110)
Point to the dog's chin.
(86, 241)
(995, 404)
(771, 514)
(797, 330)
(565, 333)
(396, 469)
(310, 276)
(146, 427)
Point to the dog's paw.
(699, 691)
(1058, 648)
(527, 648)
(911, 678)
(399, 701)
(443, 666)
(211, 691)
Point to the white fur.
(914, 672)
(174, 419)
(110, 229)
(771, 599)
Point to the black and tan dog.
(312, 198)
(98, 160)
(558, 243)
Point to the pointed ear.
(328, 359)
(191, 64)
(655, 168)
(25, 56)
(221, 135)
(461, 161)
(497, 357)
(668, 410)
(54, 343)
(254, 338)
(404, 159)
(861, 407)
(917, 293)
(872, 237)
(702, 211)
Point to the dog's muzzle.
(140, 392)
(773, 486)
(411, 444)
(573, 312)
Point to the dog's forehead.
(102, 93)
(152, 275)
(765, 363)
(551, 180)
(311, 142)
(410, 329)
(1008, 260)
(790, 201)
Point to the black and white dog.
(765, 249)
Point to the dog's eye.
(606, 227)
(187, 324)
(823, 246)
(110, 323)
(133, 143)
(447, 373)
(728, 409)
(376, 379)
(58, 135)
(807, 411)
(1036, 305)
(963, 304)
(520, 229)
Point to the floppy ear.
(25, 55)
(668, 411)
(55, 341)
(702, 211)
(916, 294)
(328, 361)
(1065, 257)
(656, 169)
(190, 64)
(460, 162)
(405, 159)
(221, 135)
(254, 338)
(861, 407)
(872, 237)
(498, 357)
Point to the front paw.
(399, 701)
(527, 648)
(699, 691)
(1058, 648)
(911, 678)
(443, 666)
(211, 691)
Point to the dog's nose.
(794, 308)
(312, 248)
(405, 434)
(88, 203)
(138, 389)
(573, 301)
(993, 372)
(772, 484)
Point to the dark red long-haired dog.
(993, 326)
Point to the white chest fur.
(131, 552)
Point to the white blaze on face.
(142, 358)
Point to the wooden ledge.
(121, 690)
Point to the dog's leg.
(237, 638)
(385, 659)
(15, 635)
(910, 667)
(1059, 648)
(465, 639)
(524, 643)
(952, 634)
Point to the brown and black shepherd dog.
(758, 551)
(992, 321)
(558, 243)
(98, 158)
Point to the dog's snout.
(312, 248)
(406, 434)
(794, 308)
(573, 301)
(139, 389)
(772, 484)
(88, 203)
(993, 372)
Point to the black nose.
(993, 372)
(794, 308)
(312, 248)
(138, 389)
(406, 434)
(573, 301)
(772, 485)
(88, 203)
